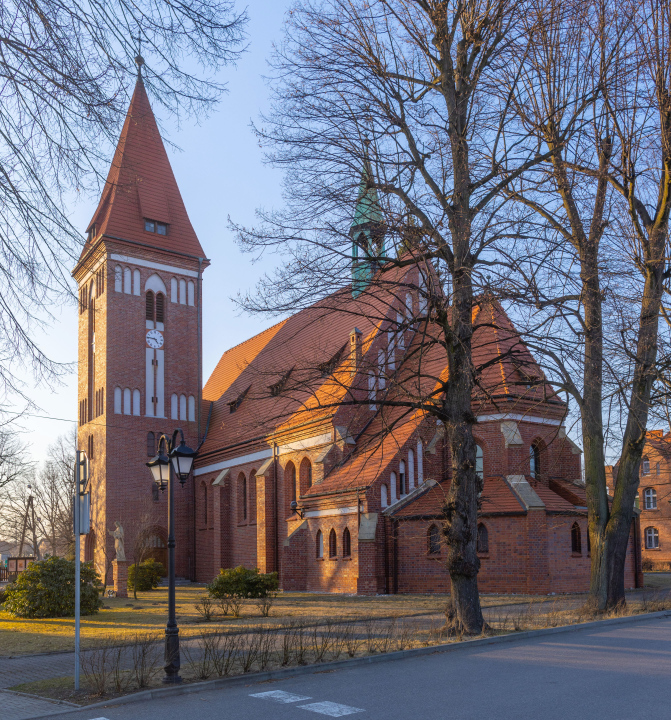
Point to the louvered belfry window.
(150, 305)
(160, 307)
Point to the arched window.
(118, 279)
(420, 463)
(392, 487)
(319, 544)
(151, 444)
(384, 496)
(192, 408)
(242, 497)
(173, 290)
(252, 496)
(656, 468)
(136, 282)
(136, 402)
(117, 400)
(483, 538)
(127, 281)
(346, 543)
(650, 499)
(333, 544)
(479, 463)
(289, 485)
(402, 478)
(651, 538)
(160, 307)
(411, 469)
(182, 407)
(149, 305)
(182, 292)
(174, 407)
(433, 540)
(305, 475)
(535, 461)
(127, 402)
(576, 543)
(191, 292)
(204, 487)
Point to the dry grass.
(124, 617)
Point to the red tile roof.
(497, 497)
(140, 184)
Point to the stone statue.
(117, 534)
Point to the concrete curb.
(254, 678)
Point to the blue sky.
(220, 172)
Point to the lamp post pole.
(165, 467)
(172, 658)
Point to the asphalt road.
(617, 672)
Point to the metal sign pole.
(77, 510)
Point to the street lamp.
(177, 460)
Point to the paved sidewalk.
(18, 707)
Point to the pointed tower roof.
(140, 185)
(368, 208)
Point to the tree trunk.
(592, 424)
(461, 506)
(627, 482)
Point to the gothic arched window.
(576, 540)
(483, 539)
(319, 542)
(151, 444)
(346, 543)
(479, 462)
(333, 543)
(535, 460)
(289, 485)
(433, 540)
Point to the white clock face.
(155, 339)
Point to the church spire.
(141, 202)
(366, 231)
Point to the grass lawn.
(122, 618)
(657, 580)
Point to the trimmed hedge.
(46, 589)
(241, 582)
(149, 574)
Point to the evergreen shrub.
(46, 589)
(148, 573)
(241, 582)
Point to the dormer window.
(153, 226)
(92, 233)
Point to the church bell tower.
(140, 334)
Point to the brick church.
(290, 476)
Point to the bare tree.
(54, 496)
(14, 460)
(66, 68)
(604, 201)
(411, 94)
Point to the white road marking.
(331, 708)
(280, 696)
(100, 718)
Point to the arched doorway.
(156, 546)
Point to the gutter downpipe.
(277, 512)
(199, 317)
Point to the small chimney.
(355, 342)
